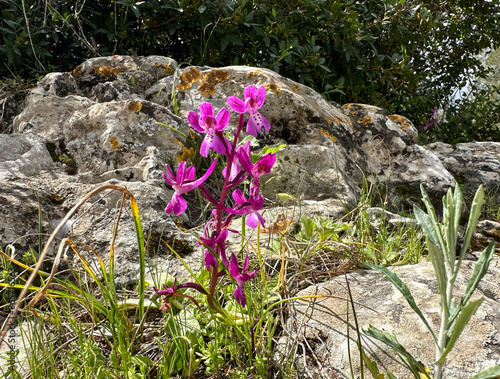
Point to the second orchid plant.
(239, 167)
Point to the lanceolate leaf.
(480, 269)
(463, 318)
(439, 269)
(391, 341)
(425, 221)
(405, 291)
(491, 373)
(471, 226)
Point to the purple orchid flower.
(212, 243)
(184, 182)
(249, 207)
(241, 277)
(170, 292)
(205, 122)
(254, 99)
(261, 167)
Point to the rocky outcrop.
(120, 119)
(320, 324)
(116, 119)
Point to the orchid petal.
(222, 119)
(169, 180)
(261, 96)
(238, 196)
(250, 92)
(205, 145)
(254, 219)
(190, 186)
(217, 144)
(210, 260)
(236, 104)
(239, 295)
(253, 126)
(194, 119)
(177, 205)
(206, 110)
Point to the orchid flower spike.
(217, 240)
(256, 170)
(170, 292)
(241, 277)
(250, 207)
(206, 122)
(254, 99)
(184, 182)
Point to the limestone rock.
(322, 322)
(471, 164)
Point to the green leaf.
(463, 319)
(142, 360)
(371, 365)
(475, 211)
(480, 269)
(427, 225)
(439, 269)
(490, 373)
(405, 291)
(391, 341)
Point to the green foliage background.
(404, 56)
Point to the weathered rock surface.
(100, 124)
(322, 323)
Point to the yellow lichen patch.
(186, 154)
(188, 78)
(209, 82)
(273, 88)
(114, 143)
(366, 121)
(107, 71)
(325, 133)
(76, 71)
(255, 73)
(178, 142)
(402, 121)
(296, 87)
(135, 106)
(167, 68)
(328, 121)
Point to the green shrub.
(404, 56)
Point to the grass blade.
(405, 291)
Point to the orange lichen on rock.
(107, 71)
(273, 88)
(366, 121)
(209, 82)
(178, 142)
(188, 78)
(167, 68)
(186, 154)
(76, 71)
(255, 73)
(114, 143)
(325, 133)
(400, 120)
(135, 106)
(295, 87)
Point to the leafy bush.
(405, 56)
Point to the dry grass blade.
(12, 316)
